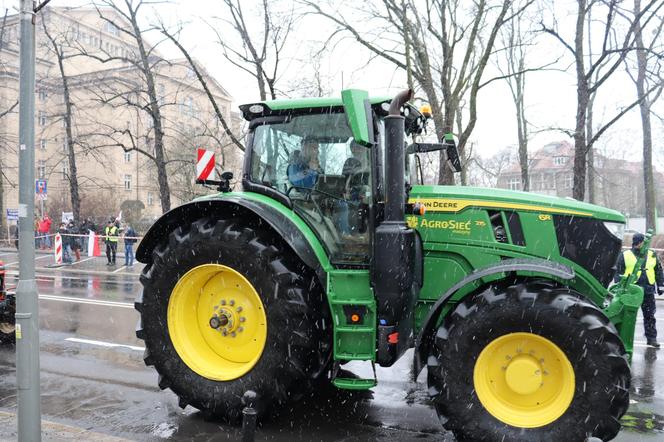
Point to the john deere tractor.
(334, 252)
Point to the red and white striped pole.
(57, 248)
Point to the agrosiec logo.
(460, 227)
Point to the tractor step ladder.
(356, 383)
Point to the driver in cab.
(304, 166)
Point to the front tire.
(532, 362)
(273, 338)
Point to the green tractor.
(334, 252)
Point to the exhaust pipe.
(395, 258)
(395, 164)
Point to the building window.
(42, 94)
(127, 157)
(42, 144)
(514, 183)
(111, 29)
(127, 182)
(559, 161)
(42, 118)
(162, 95)
(569, 181)
(41, 169)
(150, 199)
(65, 147)
(65, 171)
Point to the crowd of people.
(75, 237)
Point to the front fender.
(536, 266)
(235, 206)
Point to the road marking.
(641, 344)
(104, 344)
(40, 257)
(83, 260)
(116, 271)
(87, 301)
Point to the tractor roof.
(285, 105)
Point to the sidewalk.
(52, 431)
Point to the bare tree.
(144, 95)
(444, 46)
(593, 73)
(202, 79)
(57, 46)
(649, 69)
(3, 143)
(517, 39)
(259, 52)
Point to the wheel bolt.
(239, 309)
(233, 334)
(232, 302)
(240, 329)
(242, 319)
(224, 332)
(223, 302)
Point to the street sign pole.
(27, 319)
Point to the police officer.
(111, 237)
(650, 277)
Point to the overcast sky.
(550, 96)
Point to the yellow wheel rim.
(524, 380)
(217, 322)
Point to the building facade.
(618, 183)
(112, 128)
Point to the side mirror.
(449, 145)
(360, 118)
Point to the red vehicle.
(7, 310)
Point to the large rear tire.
(531, 361)
(272, 338)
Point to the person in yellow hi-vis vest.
(111, 239)
(650, 277)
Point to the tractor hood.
(458, 198)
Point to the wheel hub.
(524, 380)
(523, 375)
(228, 319)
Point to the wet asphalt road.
(93, 376)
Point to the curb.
(54, 431)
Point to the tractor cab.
(309, 158)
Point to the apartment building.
(112, 132)
(618, 183)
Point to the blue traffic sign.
(40, 187)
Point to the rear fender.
(232, 207)
(538, 267)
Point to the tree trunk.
(522, 134)
(155, 114)
(582, 94)
(71, 154)
(644, 108)
(590, 167)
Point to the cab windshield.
(314, 160)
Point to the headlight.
(616, 229)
